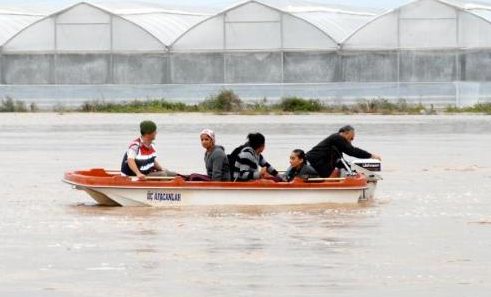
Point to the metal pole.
(110, 78)
(55, 56)
(458, 75)
(224, 68)
(282, 53)
(398, 51)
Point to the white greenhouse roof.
(135, 7)
(426, 24)
(256, 24)
(14, 19)
(480, 9)
(165, 22)
(337, 21)
(468, 5)
(248, 25)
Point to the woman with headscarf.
(216, 161)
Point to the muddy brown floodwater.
(428, 232)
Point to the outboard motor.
(368, 167)
(369, 164)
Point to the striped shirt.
(144, 157)
(248, 165)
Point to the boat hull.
(168, 197)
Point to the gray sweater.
(216, 162)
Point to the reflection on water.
(426, 233)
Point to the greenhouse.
(428, 51)
(435, 50)
(95, 44)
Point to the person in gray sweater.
(216, 161)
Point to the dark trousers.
(198, 177)
(324, 168)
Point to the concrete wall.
(438, 94)
(311, 67)
(428, 66)
(140, 69)
(476, 65)
(370, 67)
(255, 67)
(197, 68)
(82, 69)
(27, 69)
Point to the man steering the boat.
(140, 158)
(323, 156)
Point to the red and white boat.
(112, 189)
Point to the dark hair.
(256, 140)
(300, 153)
(346, 128)
(147, 127)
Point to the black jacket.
(323, 156)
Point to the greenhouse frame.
(432, 52)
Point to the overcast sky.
(216, 3)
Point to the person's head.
(257, 142)
(348, 132)
(297, 158)
(207, 138)
(148, 130)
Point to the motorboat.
(110, 188)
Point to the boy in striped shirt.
(140, 159)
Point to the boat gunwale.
(178, 187)
(93, 178)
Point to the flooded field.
(428, 233)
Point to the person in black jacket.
(324, 155)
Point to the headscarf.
(209, 133)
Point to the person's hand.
(279, 178)
(375, 156)
(264, 173)
(141, 176)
